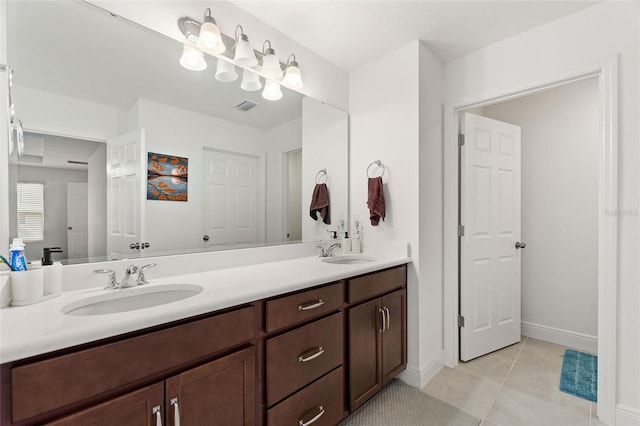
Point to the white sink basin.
(347, 260)
(131, 299)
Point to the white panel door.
(293, 196)
(230, 199)
(77, 220)
(490, 263)
(126, 182)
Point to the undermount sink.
(131, 299)
(347, 260)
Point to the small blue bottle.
(18, 261)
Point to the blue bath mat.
(580, 375)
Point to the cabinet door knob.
(301, 422)
(316, 353)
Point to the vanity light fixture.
(225, 71)
(250, 81)
(292, 77)
(210, 39)
(245, 56)
(192, 57)
(272, 91)
(270, 63)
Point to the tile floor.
(515, 386)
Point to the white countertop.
(41, 328)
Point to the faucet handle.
(141, 279)
(113, 283)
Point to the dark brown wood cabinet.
(140, 408)
(310, 356)
(377, 339)
(219, 392)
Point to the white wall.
(400, 125)
(174, 131)
(324, 146)
(284, 138)
(560, 142)
(97, 203)
(50, 113)
(322, 79)
(564, 47)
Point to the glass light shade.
(210, 40)
(192, 58)
(245, 56)
(293, 78)
(250, 81)
(271, 91)
(225, 71)
(271, 65)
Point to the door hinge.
(460, 139)
(460, 321)
(460, 230)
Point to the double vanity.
(301, 341)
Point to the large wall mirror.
(134, 155)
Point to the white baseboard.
(627, 416)
(580, 341)
(419, 378)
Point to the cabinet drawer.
(299, 307)
(50, 384)
(298, 357)
(325, 396)
(377, 284)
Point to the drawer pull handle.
(176, 411)
(310, 306)
(156, 411)
(318, 351)
(388, 317)
(313, 420)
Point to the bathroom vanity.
(308, 353)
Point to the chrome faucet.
(328, 251)
(113, 282)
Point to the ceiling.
(352, 33)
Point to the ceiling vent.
(245, 106)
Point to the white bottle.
(346, 243)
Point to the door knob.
(205, 238)
(520, 245)
(69, 228)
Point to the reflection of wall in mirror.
(176, 131)
(324, 146)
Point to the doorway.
(606, 74)
(293, 196)
(559, 233)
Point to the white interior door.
(126, 180)
(230, 199)
(490, 213)
(77, 220)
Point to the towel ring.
(321, 173)
(377, 163)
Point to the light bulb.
(271, 91)
(210, 39)
(192, 58)
(292, 77)
(250, 81)
(271, 65)
(225, 71)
